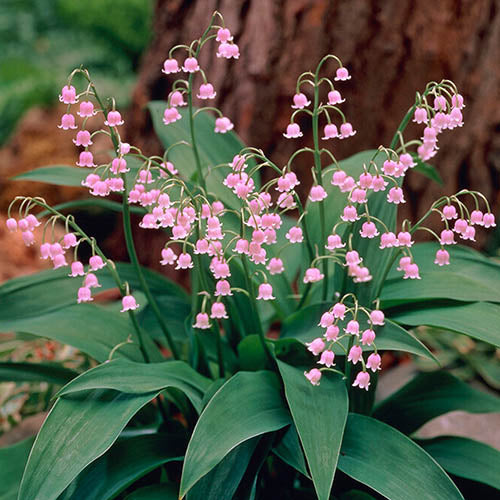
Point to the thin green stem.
(129, 241)
(253, 302)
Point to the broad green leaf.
(66, 175)
(429, 395)
(466, 458)
(387, 461)
(317, 412)
(427, 170)
(91, 205)
(53, 373)
(303, 325)
(60, 175)
(164, 491)
(356, 495)
(82, 326)
(214, 149)
(478, 320)
(223, 480)
(469, 277)
(139, 378)
(85, 425)
(251, 354)
(290, 451)
(46, 291)
(247, 405)
(124, 463)
(12, 462)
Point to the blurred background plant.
(43, 40)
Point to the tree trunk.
(392, 49)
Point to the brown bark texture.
(392, 49)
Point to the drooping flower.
(96, 263)
(294, 235)
(84, 295)
(265, 292)
(191, 65)
(68, 95)
(346, 131)
(114, 119)
(316, 346)
(202, 321)
(327, 358)
(355, 354)
(313, 375)
(373, 362)
(313, 275)
(170, 66)
(206, 91)
(330, 132)
(300, 101)
(352, 327)
(377, 317)
(171, 115)
(342, 74)
(317, 193)
(442, 257)
(223, 125)
(222, 288)
(275, 266)
(67, 122)
(129, 303)
(362, 380)
(86, 109)
(293, 131)
(334, 98)
(218, 311)
(368, 337)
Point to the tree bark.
(392, 49)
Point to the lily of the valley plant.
(260, 382)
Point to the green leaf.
(65, 175)
(379, 456)
(247, 405)
(429, 395)
(317, 412)
(251, 354)
(477, 320)
(427, 170)
(223, 480)
(214, 149)
(466, 458)
(54, 373)
(139, 378)
(303, 325)
(82, 326)
(12, 462)
(163, 491)
(469, 277)
(60, 175)
(290, 451)
(79, 428)
(124, 463)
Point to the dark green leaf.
(317, 412)
(290, 451)
(429, 395)
(54, 373)
(466, 458)
(477, 320)
(223, 480)
(469, 277)
(379, 456)
(12, 462)
(427, 170)
(247, 405)
(79, 428)
(125, 462)
(139, 378)
(163, 491)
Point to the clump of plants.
(192, 397)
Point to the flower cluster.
(331, 320)
(206, 234)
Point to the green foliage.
(44, 40)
